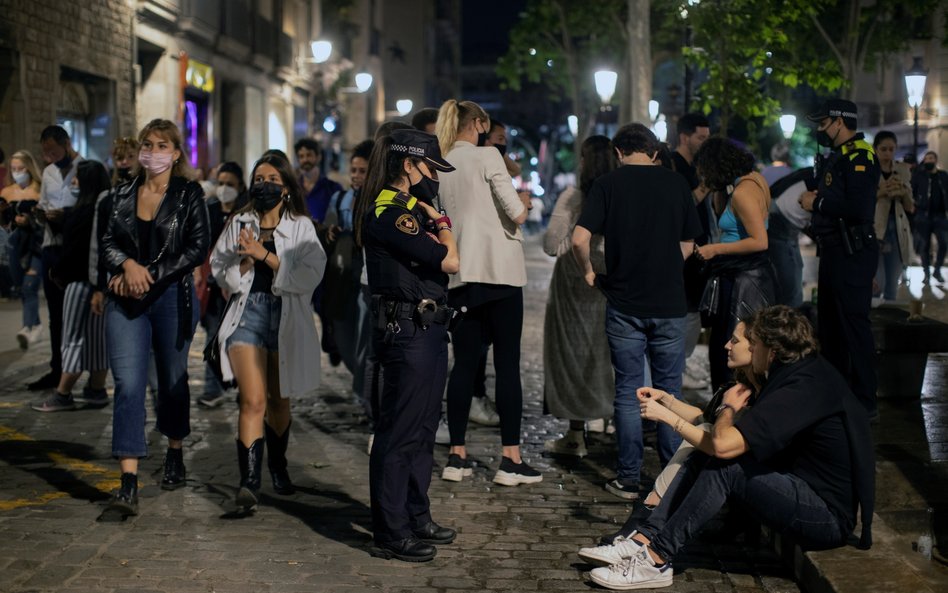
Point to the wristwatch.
(717, 412)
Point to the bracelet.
(678, 426)
(264, 260)
(443, 220)
(444, 228)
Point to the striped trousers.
(84, 347)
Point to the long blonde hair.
(453, 117)
(170, 132)
(26, 157)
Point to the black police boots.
(432, 533)
(250, 460)
(410, 549)
(174, 470)
(276, 459)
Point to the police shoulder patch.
(407, 224)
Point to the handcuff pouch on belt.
(424, 313)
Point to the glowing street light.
(915, 88)
(606, 84)
(572, 122)
(322, 50)
(788, 123)
(363, 81)
(404, 106)
(653, 110)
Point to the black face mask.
(124, 173)
(425, 190)
(824, 139)
(502, 148)
(482, 138)
(929, 166)
(64, 162)
(265, 195)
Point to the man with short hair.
(844, 209)
(647, 216)
(800, 459)
(317, 188)
(425, 120)
(693, 129)
(55, 199)
(930, 188)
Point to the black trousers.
(498, 322)
(55, 299)
(845, 298)
(414, 370)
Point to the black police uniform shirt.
(643, 211)
(848, 182)
(403, 263)
(798, 426)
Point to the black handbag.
(212, 351)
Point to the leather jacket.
(922, 183)
(180, 239)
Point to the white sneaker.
(637, 572)
(36, 332)
(689, 381)
(443, 435)
(621, 548)
(572, 443)
(23, 338)
(598, 425)
(483, 412)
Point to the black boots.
(276, 459)
(410, 549)
(250, 460)
(125, 502)
(174, 470)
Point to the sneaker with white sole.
(514, 474)
(456, 469)
(483, 412)
(23, 338)
(626, 491)
(622, 547)
(637, 572)
(572, 443)
(55, 402)
(443, 435)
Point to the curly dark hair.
(784, 330)
(598, 159)
(720, 161)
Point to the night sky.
(485, 25)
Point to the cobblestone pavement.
(56, 475)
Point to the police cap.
(836, 108)
(420, 145)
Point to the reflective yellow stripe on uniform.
(388, 198)
(852, 150)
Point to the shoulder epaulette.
(388, 198)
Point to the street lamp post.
(915, 88)
(605, 88)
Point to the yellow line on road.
(101, 478)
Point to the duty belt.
(425, 312)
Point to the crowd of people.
(651, 246)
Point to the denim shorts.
(260, 323)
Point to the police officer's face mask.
(824, 139)
(426, 189)
(482, 137)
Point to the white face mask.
(226, 194)
(22, 179)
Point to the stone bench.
(902, 349)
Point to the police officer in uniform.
(843, 207)
(409, 252)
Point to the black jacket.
(922, 183)
(179, 243)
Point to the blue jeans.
(30, 293)
(130, 340)
(890, 262)
(630, 340)
(781, 500)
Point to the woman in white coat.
(269, 261)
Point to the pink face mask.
(156, 163)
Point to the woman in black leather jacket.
(157, 234)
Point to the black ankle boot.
(125, 501)
(251, 466)
(276, 459)
(174, 470)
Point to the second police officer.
(843, 207)
(409, 252)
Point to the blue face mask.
(74, 190)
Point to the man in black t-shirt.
(693, 130)
(647, 216)
(801, 460)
